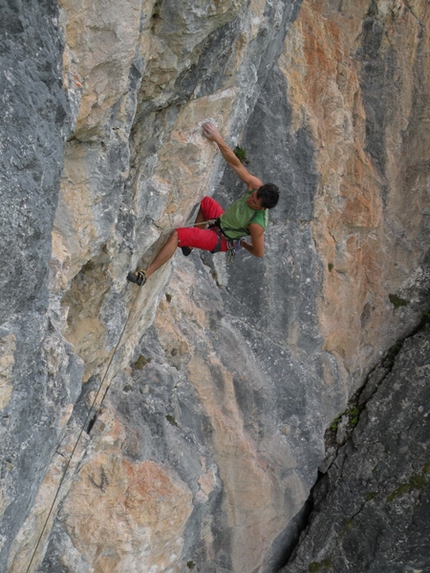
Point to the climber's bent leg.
(204, 239)
(192, 237)
(209, 209)
(164, 255)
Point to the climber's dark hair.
(268, 195)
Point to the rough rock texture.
(372, 507)
(40, 375)
(185, 421)
(356, 72)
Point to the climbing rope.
(208, 222)
(92, 407)
(84, 425)
(78, 439)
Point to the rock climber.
(248, 216)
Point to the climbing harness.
(233, 245)
(215, 227)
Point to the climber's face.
(254, 202)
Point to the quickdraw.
(234, 247)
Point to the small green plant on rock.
(335, 424)
(316, 567)
(171, 420)
(140, 362)
(397, 301)
(191, 564)
(240, 153)
(417, 482)
(347, 421)
(354, 414)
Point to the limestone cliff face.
(181, 425)
(371, 508)
(356, 75)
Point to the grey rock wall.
(210, 409)
(34, 111)
(40, 375)
(372, 507)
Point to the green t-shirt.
(235, 220)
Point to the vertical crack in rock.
(355, 490)
(83, 303)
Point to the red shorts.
(204, 239)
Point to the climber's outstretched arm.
(211, 132)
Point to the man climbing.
(247, 216)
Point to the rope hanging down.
(78, 439)
(89, 414)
